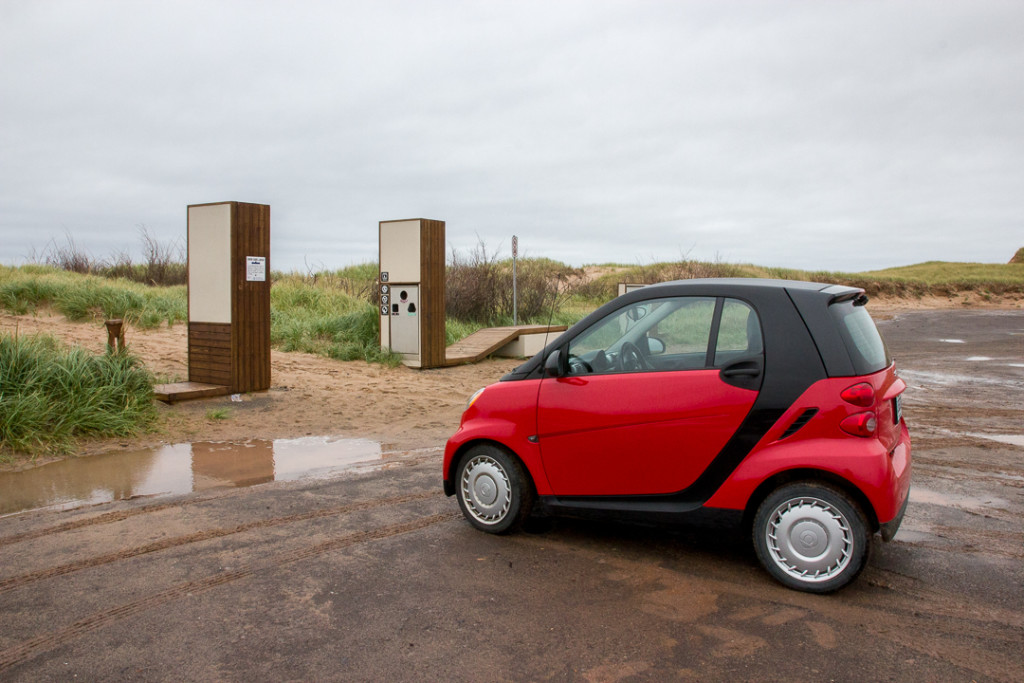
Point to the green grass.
(218, 413)
(942, 273)
(50, 395)
(317, 315)
(28, 289)
(329, 314)
(936, 278)
(334, 313)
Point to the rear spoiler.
(840, 293)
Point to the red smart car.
(772, 401)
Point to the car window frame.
(710, 350)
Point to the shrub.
(478, 287)
(51, 394)
(164, 262)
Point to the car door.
(615, 425)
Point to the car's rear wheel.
(493, 490)
(811, 536)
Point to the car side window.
(739, 333)
(650, 336)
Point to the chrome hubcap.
(486, 489)
(809, 539)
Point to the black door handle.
(741, 372)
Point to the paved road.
(375, 576)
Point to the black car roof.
(793, 292)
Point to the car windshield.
(865, 346)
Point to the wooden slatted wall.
(432, 269)
(209, 353)
(250, 301)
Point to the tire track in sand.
(13, 582)
(33, 647)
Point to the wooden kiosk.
(412, 291)
(228, 301)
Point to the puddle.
(914, 536)
(953, 341)
(924, 379)
(920, 495)
(1012, 439)
(975, 359)
(179, 468)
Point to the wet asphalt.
(374, 575)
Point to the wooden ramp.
(483, 343)
(183, 391)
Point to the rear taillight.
(861, 395)
(861, 424)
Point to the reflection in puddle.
(920, 495)
(1012, 439)
(178, 468)
(905, 535)
(924, 379)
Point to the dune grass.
(51, 394)
(933, 278)
(80, 297)
(328, 314)
(334, 313)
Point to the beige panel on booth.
(412, 314)
(209, 259)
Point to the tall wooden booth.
(412, 291)
(229, 296)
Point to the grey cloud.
(816, 135)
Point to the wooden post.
(115, 335)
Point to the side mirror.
(636, 313)
(553, 364)
(655, 346)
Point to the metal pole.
(515, 290)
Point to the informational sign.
(255, 268)
(384, 276)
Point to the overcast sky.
(817, 135)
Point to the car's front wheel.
(811, 537)
(493, 490)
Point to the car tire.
(493, 489)
(812, 537)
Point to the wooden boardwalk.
(483, 343)
(183, 391)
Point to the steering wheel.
(631, 360)
(577, 366)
